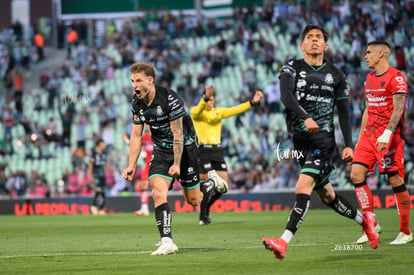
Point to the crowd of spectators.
(158, 37)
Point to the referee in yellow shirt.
(207, 123)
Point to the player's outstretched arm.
(199, 108)
(241, 108)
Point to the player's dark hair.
(98, 141)
(308, 28)
(380, 42)
(147, 68)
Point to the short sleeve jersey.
(98, 161)
(165, 107)
(316, 89)
(379, 91)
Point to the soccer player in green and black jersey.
(310, 88)
(175, 153)
(97, 170)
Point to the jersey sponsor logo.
(162, 118)
(400, 80)
(176, 112)
(391, 152)
(373, 99)
(326, 87)
(318, 98)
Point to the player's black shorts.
(316, 157)
(189, 175)
(211, 158)
(99, 182)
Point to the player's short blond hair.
(147, 68)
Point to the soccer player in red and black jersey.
(381, 138)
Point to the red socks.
(403, 205)
(364, 196)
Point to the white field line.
(70, 254)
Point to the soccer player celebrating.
(310, 88)
(207, 123)
(381, 137)
(175, 154)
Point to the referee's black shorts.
(211, 158)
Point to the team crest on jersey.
(382, 83)
(301, 83)
(329, 78)
(159, 110)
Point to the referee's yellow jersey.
(207, 123)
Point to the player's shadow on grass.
(200, 249)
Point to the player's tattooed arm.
(399, 104)
(178, 143)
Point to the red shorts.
(390, 160)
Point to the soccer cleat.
(221, 184)
(101, 212)
(369, 228)
(94, 210)
(277, 246)
(205, 221)
(166, 247)
(141, 213)
(364, 237)
(403, 238)
(208, 190)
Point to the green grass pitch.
(122, 243)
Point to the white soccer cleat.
(166, 247)
(364, 237)
(221, 184)
(403, 238)
(94, 210)
(142, 213)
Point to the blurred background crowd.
(56, 102)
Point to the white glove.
(385, 137)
